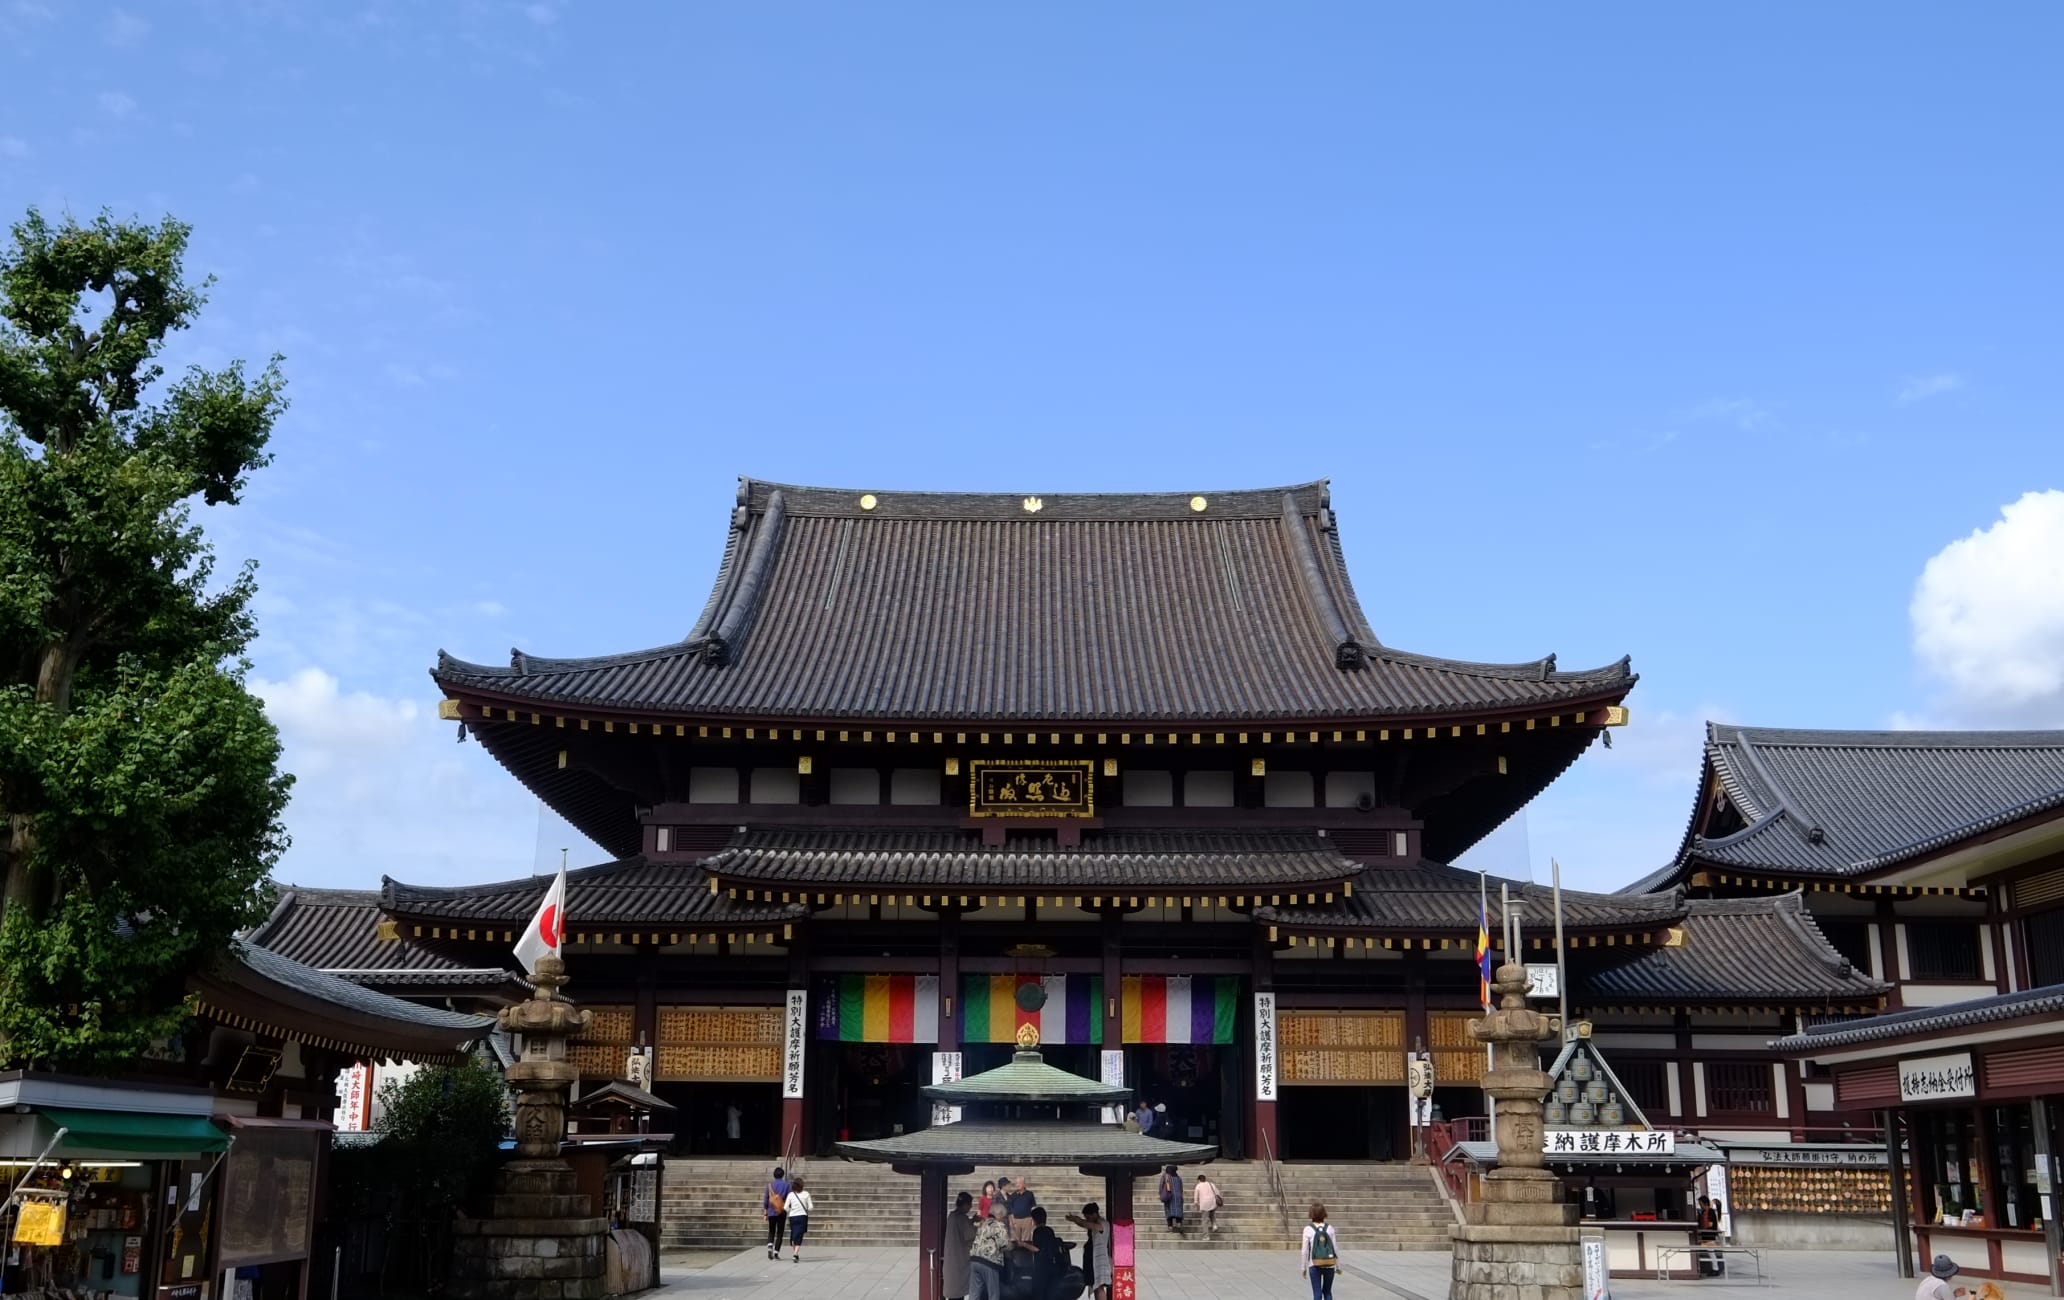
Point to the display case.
(1809, 1190)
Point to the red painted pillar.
(931, 1231)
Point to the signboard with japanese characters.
(1608, 1141)
(1856, 1157)
(1938, 1078)
(1264, 1047)
(1112, 1072)
(794, 1032)
(355, 1112)
(945, 1069)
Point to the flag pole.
(1561, 971)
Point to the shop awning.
(133, 1133)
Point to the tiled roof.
(1742, 951)
(1017, 1144)
(966, 607)
(2047, 1001)
(953, 859)
(1849, 803)
(337, 931)
(629, 891)
(1431, 896)
(270, 967)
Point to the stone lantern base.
(540, 1240)
(1512, 1262)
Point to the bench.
(1665, 1254)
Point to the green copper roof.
(1028, 1078)
(996, 1142)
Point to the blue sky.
(1722, 336)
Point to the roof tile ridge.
(1348, 651)
(1787, 801)
(1619, 671)
(1886, 738)
(599, 870)
(823, 501)
(281, 906)
(720, 641)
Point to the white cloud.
(1743, 413)
(1919, 388)
(1988, 619)
(116, 104)
(381, 789)
(543, 15)
(126, 28)
(13, 146)
(490, 608)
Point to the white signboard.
(1861, 1157)
(945, 1069)
(794, 1031)
(1595, 1272)
(1112, 1072)
(1938, 1078)
(1264, 1047)
(1608, 1142)
(356, 1089)
(1543, 980)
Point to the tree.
(138, 777)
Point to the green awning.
(129, 1132)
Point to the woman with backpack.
(797, 1207)
(774, 1204)
(1321, 1253)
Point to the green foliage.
(442, 1128)
(138, 777)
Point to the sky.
(1726, 337)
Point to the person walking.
(1096, 1250)
(1172, 1198)
(774, 1204)
(988, 1254)
(1321, 1253)
(955, 1247)
(1208, 1201)
(797, 1207)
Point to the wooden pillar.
(1902, 1200)
(645, 1004)
(1113, 1010)
(1888, 952)
(949, 980)
(931, 1231)
(1266, 1143)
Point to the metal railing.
(1274, 1173)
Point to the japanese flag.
(547, 928)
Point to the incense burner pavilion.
(1146, 751)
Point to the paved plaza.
(877, 1273)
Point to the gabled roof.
(958, 860)
(1844, 804)
(1741, 951)
(2045, 1003)
(257, 986)
(971, 607)
(1430, 896)
(338, 931)
(631, 891)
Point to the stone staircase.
(715, 1205)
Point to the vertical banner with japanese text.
(1264, 1047)
(1112, 1072)
(795, 1031)
(945, 1069)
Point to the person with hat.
(1096, 1250)
(1935, 1286)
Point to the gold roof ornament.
(868, 501)
(1033, 505)
(1028, 1037)
(1198, 504)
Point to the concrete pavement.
(883, 1273)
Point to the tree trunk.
(56, 668)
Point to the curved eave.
(1022, 1145)
(246, 1001)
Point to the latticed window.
(1942, 950)
(1739, 1087)
(1647, 1085)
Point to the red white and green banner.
(1074, 1010)
(1180, 1008)
(879, 1009)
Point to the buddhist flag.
(1074, 1010)
(879, 1009)
(1180, 1009)
(1483, 942)
(548, 928)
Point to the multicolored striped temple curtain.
(879, 1008)
(1180, 1008)
(1074, 1010)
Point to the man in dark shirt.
(1049, 1254)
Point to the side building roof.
(1847, 804)
(631, 891)
(835, 604)
(1433, 898)
(339, 932)
(1740, 952)
(257, 988)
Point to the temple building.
(1146, 751)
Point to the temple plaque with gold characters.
(1061, 787)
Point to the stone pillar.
(1521, 1239)
(540, 1238)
